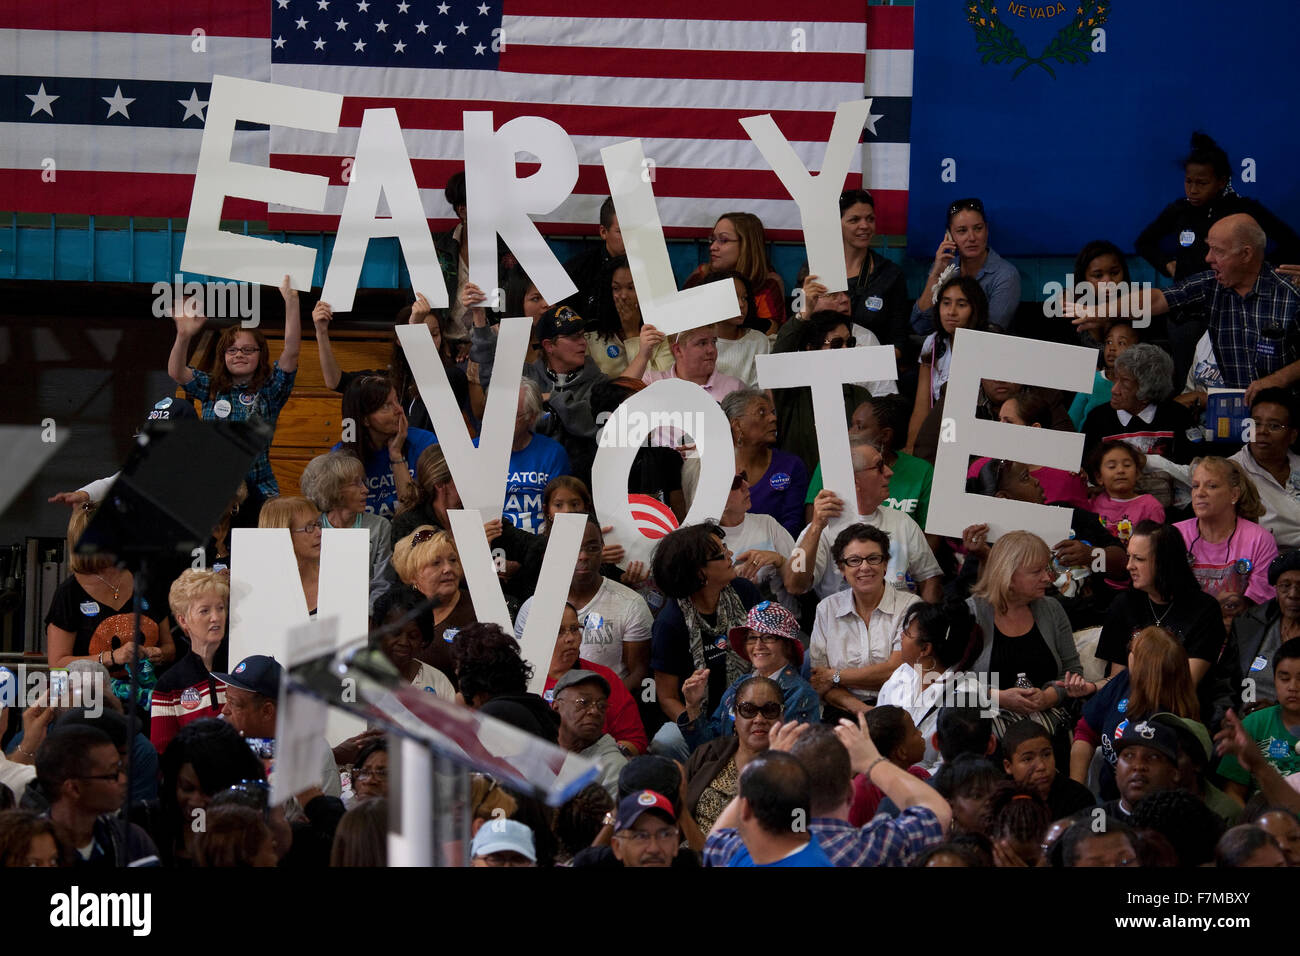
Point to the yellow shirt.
(599, 348)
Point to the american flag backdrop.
(114, 92)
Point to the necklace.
(1159, 618)
(109, 586)
(1198, 536)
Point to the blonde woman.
(1026, 635)
(1230, 553)
(427, 560)
(188, 691)
(91, 616)
(302, 518)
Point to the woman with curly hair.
(493, 678)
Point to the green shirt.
(909, 488)
(1276, 744)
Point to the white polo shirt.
(909, 553)
(841, 639)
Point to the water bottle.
(1022, 682)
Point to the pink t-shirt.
(1121, 515)
(1059, 487)
(1239, 565)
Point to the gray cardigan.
(1052, 624)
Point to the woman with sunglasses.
(857, 632)
(428, 561)
(1157, 679)
(693, 568)
(965, 251)
(1165, 594)
(302, 518)
(771, 641)
(713, 772)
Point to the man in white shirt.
(616, 622)
(1272, 465)
(909, 556)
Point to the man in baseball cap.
(645, 830)
(1146, 762)
(503, 843)
(581, 698)
(770, 640)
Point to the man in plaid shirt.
(831, 758)
(1254, 312)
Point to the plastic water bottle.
(1022, 681)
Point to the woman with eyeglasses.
(622, 719)
(1156, 680)
(1229, 551)
(203, 759)
(302, 518)
(336, 484)
(377, 434)
(960, 304)
(428, 561)
(965, 252)
(693, 567)
(738, 244)
(370, 770)
(771, 641)
(857, 632)
(713, 772)
(241, 383)
(779, 480)
(1165, 593)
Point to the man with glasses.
(581, 698)
(81, 772)
(645, 830)
(1273, 466)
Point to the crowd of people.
(807, 681)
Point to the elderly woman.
(1164, 593)
(1028, 643)
(857, 632)
(713, 772)
(302, 518)
(336, 484)
(428, 561)
(188, 691)
(1141, 413)
(402, 628)
(1230, 553)
(91, 615)
(1156, 680)
(692, 566)
(622, 719)
(778, 481)
(771, 641)
(1259, 631)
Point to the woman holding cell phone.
(965, 251)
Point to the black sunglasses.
(963, 204)
(770, 711)
(738, 480)
(842, 343)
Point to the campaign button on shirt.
(875, 303)
(779, 481)
(1186, 238)
(613, 351)
(247, 398)
(89, 608)
(1278, 749)
(191, 699)
(1259, 663)
(221, 408)
(163, 403)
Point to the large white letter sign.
(826, 372)
(480, 472)
(543, 625)
(1008, 359)
(817, 196)
(662, 305)
(669, 403)
(499, 202)
(207, 249)
(267, 602)
(382, 165)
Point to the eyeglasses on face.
(960, 205)
(584, 704)
(243, 350)
(722, 240)
(570, 629)
(762, 639)
(770, 710)
(855, 560)
(359, 774)
(739, 480)
(643, 837)
(840, 342)
(113, 775)
(308, 529)
(1271, 428)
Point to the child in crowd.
(1119, 336)
(1115, 468)
(961, 304)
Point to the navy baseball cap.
(633, 805)
(258, 674)
(559, 320)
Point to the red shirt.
(622, 719)
(867, 797)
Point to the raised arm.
(649, 338)
(799, 573)
(288, 360)
(321, 316)
(189, 321)
(898, 785)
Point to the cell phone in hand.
(263, 747)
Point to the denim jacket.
(802, 705)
